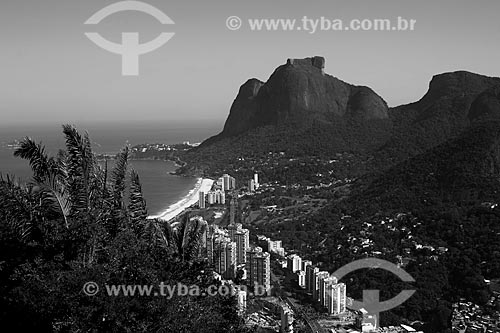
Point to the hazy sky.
(50, 72)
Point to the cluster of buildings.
(253, 184)
(468, 317)
(226, 183)
(214, 197)
(258, 269)
(271, 246)
(323, 287)
(229, 251)
(217, 195)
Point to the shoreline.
(203, 184)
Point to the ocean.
(161, 189)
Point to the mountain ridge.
(299, 95)
(270, 117)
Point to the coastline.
(203, 184)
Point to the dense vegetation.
(72, 224)
(432, 171)
(442, 199)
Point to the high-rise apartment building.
(201, 200)
(225, 257)
(294, 263)
(251, 185)
(311, 279)
(229, 183)
(321, 294)
(335, 301)
(232, 211)
(306, 263)
(301, 277)
(241, 237)
(258, 268)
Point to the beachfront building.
(229, 183)
(220, 184)
(201, 200)
(211, 197)
(294, 263)
(217, 197)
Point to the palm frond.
(157, 232)
(187, 237)
(35, 153)
(77, 167)
(119, 173)
(137, 205)
(57, 193)
(17, 207)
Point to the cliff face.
(445, 111)
(301, 106)
(242, 115)
(299, 93)
(486, 105)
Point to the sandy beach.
(203, 184)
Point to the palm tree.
(73, 186)
(184, 240)
(21, 209)
(188, 237)
(137, 205)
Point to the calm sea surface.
(160, 188)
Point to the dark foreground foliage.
(70, 225)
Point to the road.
(313, 324)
